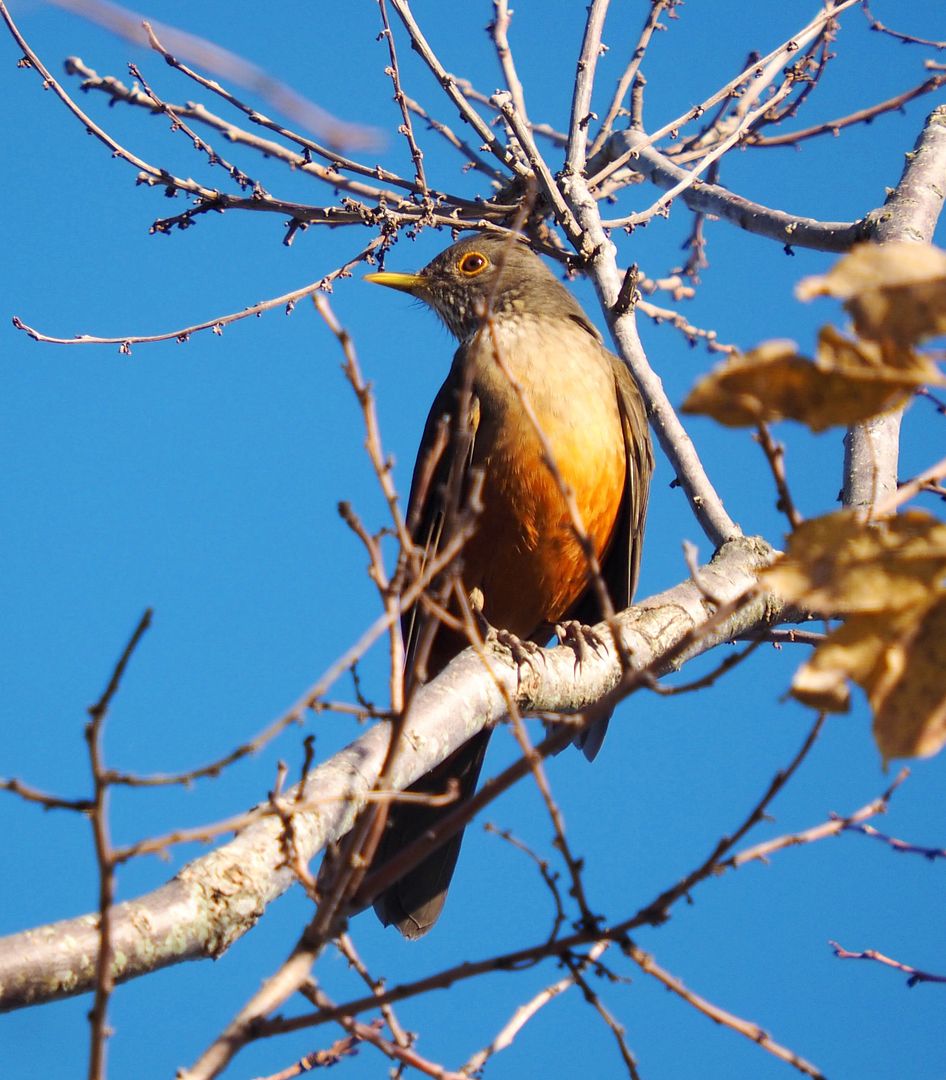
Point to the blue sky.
(202, 480)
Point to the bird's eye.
(472, 263)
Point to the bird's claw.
(581, 639)
(524, 653)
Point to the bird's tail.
(414, 902)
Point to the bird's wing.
(622, 562)
(443, 465)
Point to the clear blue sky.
(202, 480)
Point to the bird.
(523, 566)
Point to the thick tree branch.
(871, 450)
(675, 442)
(217, 898)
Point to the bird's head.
(486, 273)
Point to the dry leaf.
(850, 652)
(840, 565)
(849, 383)
(866, 360)
(887, 577)
(908, 694)
(899, 660)
(896, 293)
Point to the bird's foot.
(525, 654)
(581, 639)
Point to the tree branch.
(871, 450)
(676, 443)
(789, 229)
(216, 899)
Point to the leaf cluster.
(896, 296)
(884, 578)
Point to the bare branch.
(907, 39)
(789, 229)
(833, 827)
(758, 68)
(871, 450)
(406, 129)
(859, 116)
(654, 913)
(452, 90)
(906, 491)
(629, 77)
(916, 976)
(775, 455)
(287, 301)
(688, 179)
(676, 443)
(736, 1023)
(48, 802)
(98, 814)
(525, 1013)
(217, 898)
(581, 117)
(499, 28)
(902, 847)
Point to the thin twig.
(499, 29)
(524, 1014)
(900, 846)
(721, 1016)
(581, 115)
(630, 74)
(833, 827)
(287, 301)
(916, 976)
(98, 815)
(451, 89)
(859, 116)
(907, 39)
(775, 455)
(407, 128)
(771, 62)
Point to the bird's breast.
(525, 556)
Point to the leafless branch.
(907, 39)
(630, 74)
(721, 1016)
(406, 129)
(871, 450)
(791, 230)
(915, 975)
(833, 827)
(775, 455)
(98, 815)
(932, 854)
(859, 116)
(192, 916)
(499, 28)
(581, 116)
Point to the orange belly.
(524, 555)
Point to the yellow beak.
(409, 283)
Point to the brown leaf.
(907, 690)
(849, 383)
(898, 659)
(866, 360)
(850, 652)
(840, 565)
(895, 293)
